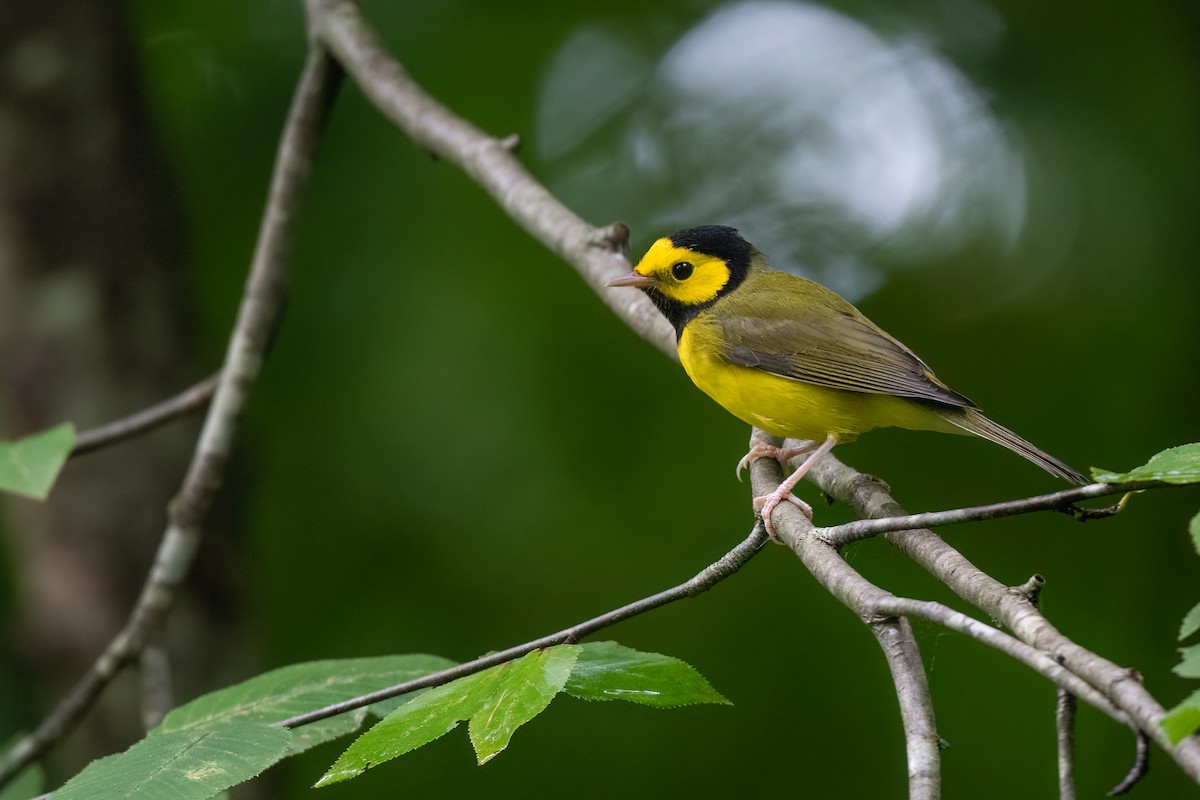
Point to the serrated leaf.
(426, 717)
(1184, 719)
(1175, 465)
(191, 764)
(30, 466)
(524, 689)
(1190, 666)
(1191, 623)
(291, 690)
(609, 671)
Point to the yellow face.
(683, 275)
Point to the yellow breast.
(786, 407)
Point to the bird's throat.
(678, 314)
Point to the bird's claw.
(764, 506)
(763, 450)
(757, 450)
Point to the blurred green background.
(454, 447)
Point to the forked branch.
(258, 316)
(186, 402)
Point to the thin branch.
(922, 744)
(1040, 662)
(1141, 765)
(1064, 723)
(1065, 709)
(864, 598)
(187, 401)
(868, 497)
(870, 602)
(258, 316)
(704, 580)
(841, 535)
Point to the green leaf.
(29, 466)
(1184, 719)
(1190, 666)
(1176, 465)
(428, 716)
(1191, 623)
(192, 764)
(294, 689)
(1194, 529)
(609, 671)
(501, 699)
(525, 687)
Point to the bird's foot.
(765, 505)
(781, 454)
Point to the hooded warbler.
(795, 359)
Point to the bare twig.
(869, 497)
(871, 603)
(258, 316)
(841, 535)
(187, 401)
(1064, 722)
(1037, 660)
(866, 600)
(704, 580)
(923, 747)
(1141, 765)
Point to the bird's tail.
(971, 420)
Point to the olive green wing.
(833, 346)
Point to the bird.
(795, 359)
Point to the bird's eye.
(682, 270)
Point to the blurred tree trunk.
(94, 324)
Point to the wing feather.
(843, 351)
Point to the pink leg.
(766, 504)
(781, 454)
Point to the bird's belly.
(799, 410)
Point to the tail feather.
(969, 419)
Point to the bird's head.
(689, 270)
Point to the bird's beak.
(633, 279)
